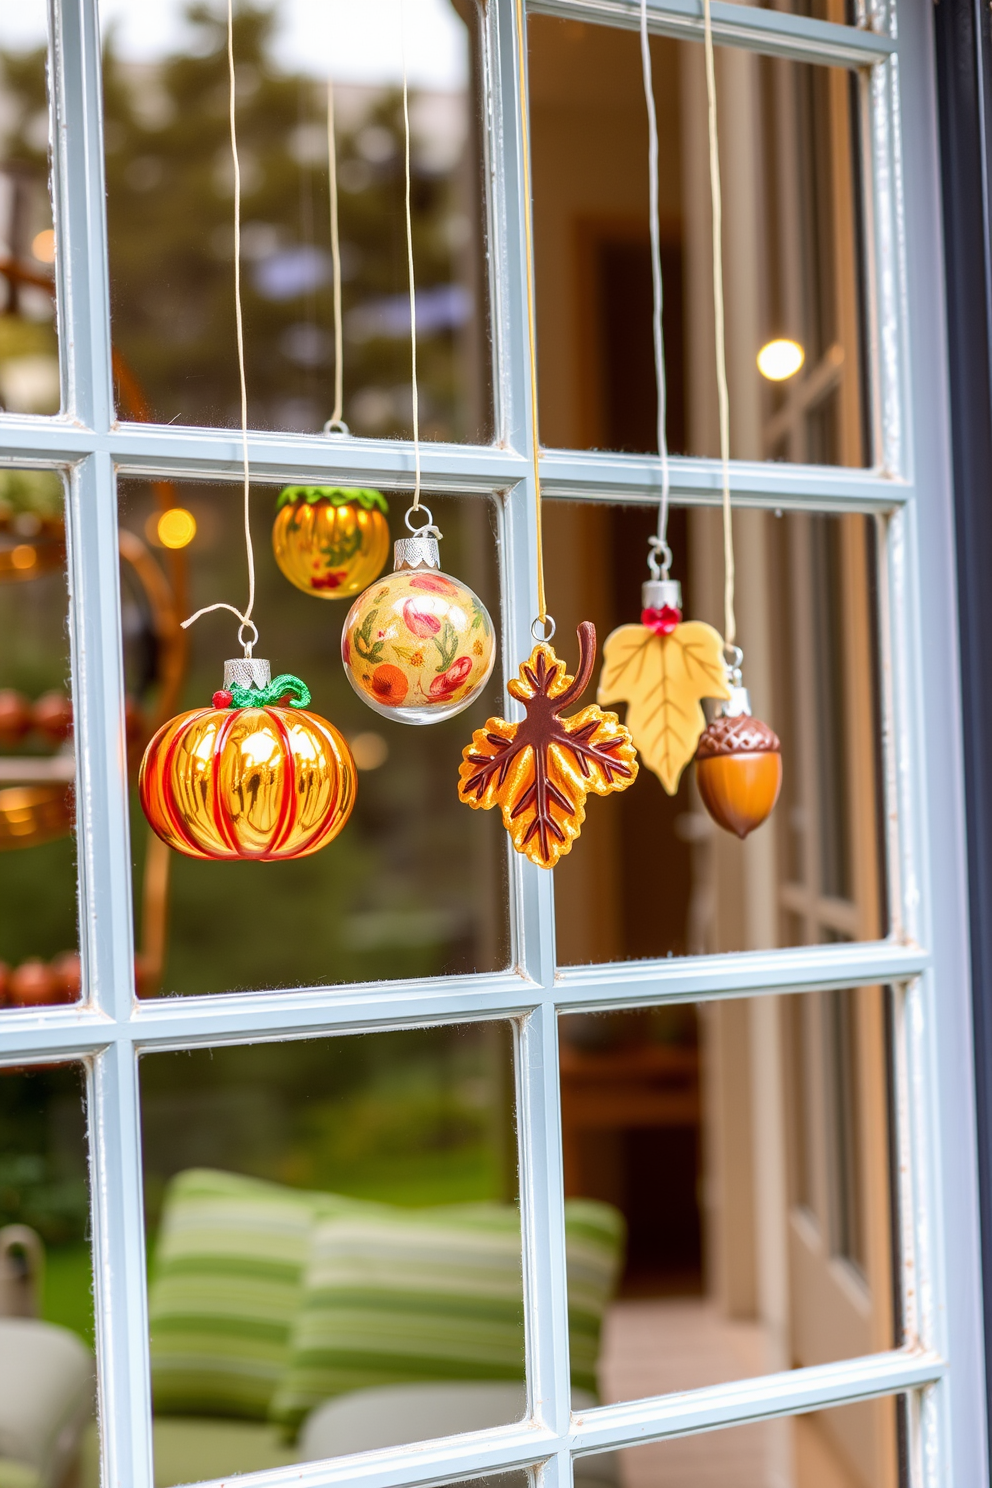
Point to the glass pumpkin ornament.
(738, 762)
(331, 541)
(418, 646)
(247, 778)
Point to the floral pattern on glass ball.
(418, 647)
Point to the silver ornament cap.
(419, 551)
(658, 594)
(738, 705)
(247, 671)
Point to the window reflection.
(746, 1143)
(29, 360)
(791, 247)
(170, 205)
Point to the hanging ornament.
(738, 762)
(330, 541)
(662, 669)
(248, 778)
(419, 646)
(539, 771)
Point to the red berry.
(222, 699)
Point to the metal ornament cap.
(659, 594)
(419, 551)
(246, 671)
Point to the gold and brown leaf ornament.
(540, 771)
(662, 669)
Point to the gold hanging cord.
(723, 393)
(543, 620)
(247, 624)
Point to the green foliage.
(35, 491)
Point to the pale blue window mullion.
(80, 219)
(124, 1389)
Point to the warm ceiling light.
(780, 359)
(23, 557)
(43, 246)
(176, 527)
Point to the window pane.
(170, 206)
(29, 354)
(746, 1145)
(39, 960)
(652, 874)
(791, 247)
(415, 885)
(335, 1246)
(848, 1446)
(47, 1426)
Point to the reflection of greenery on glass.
(169, 214)
(31, 1194)
(35, 491)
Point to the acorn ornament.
(418, 646)
(738, 761)
(247, 777)
(331, 541)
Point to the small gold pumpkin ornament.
(738, 762)
(331, 541)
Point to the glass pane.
(746, 1145)
(415, 884)
(47, 1370)
(335, 1246)
(848, 1446)
(39, 960)
(652, 874)
(791, 247)
(29, 354)
(170, 205)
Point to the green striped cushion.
(397, 1297)
(228, 1284)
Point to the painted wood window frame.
(925, 957)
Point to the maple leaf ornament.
(662, 670)
(540, 771)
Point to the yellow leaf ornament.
(661, 674)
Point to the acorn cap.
(246, 671)
(737, 735)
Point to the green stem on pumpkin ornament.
(273, 692)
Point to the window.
(777, 1032)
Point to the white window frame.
(925, 956)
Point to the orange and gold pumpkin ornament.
(248, 778)
(331, 541)
(738, 760)
(418, 646)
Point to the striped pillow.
(229, 1270)
(398, 1297)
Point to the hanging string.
(543, 618)
(415, 391)
(247, 624)
(723, 393)
(335, 423)
(659, 544)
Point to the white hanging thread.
(335, 423)
(415, 393)
(723, 394)
(659, 544)
(247, 624)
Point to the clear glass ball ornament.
(418, 646)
